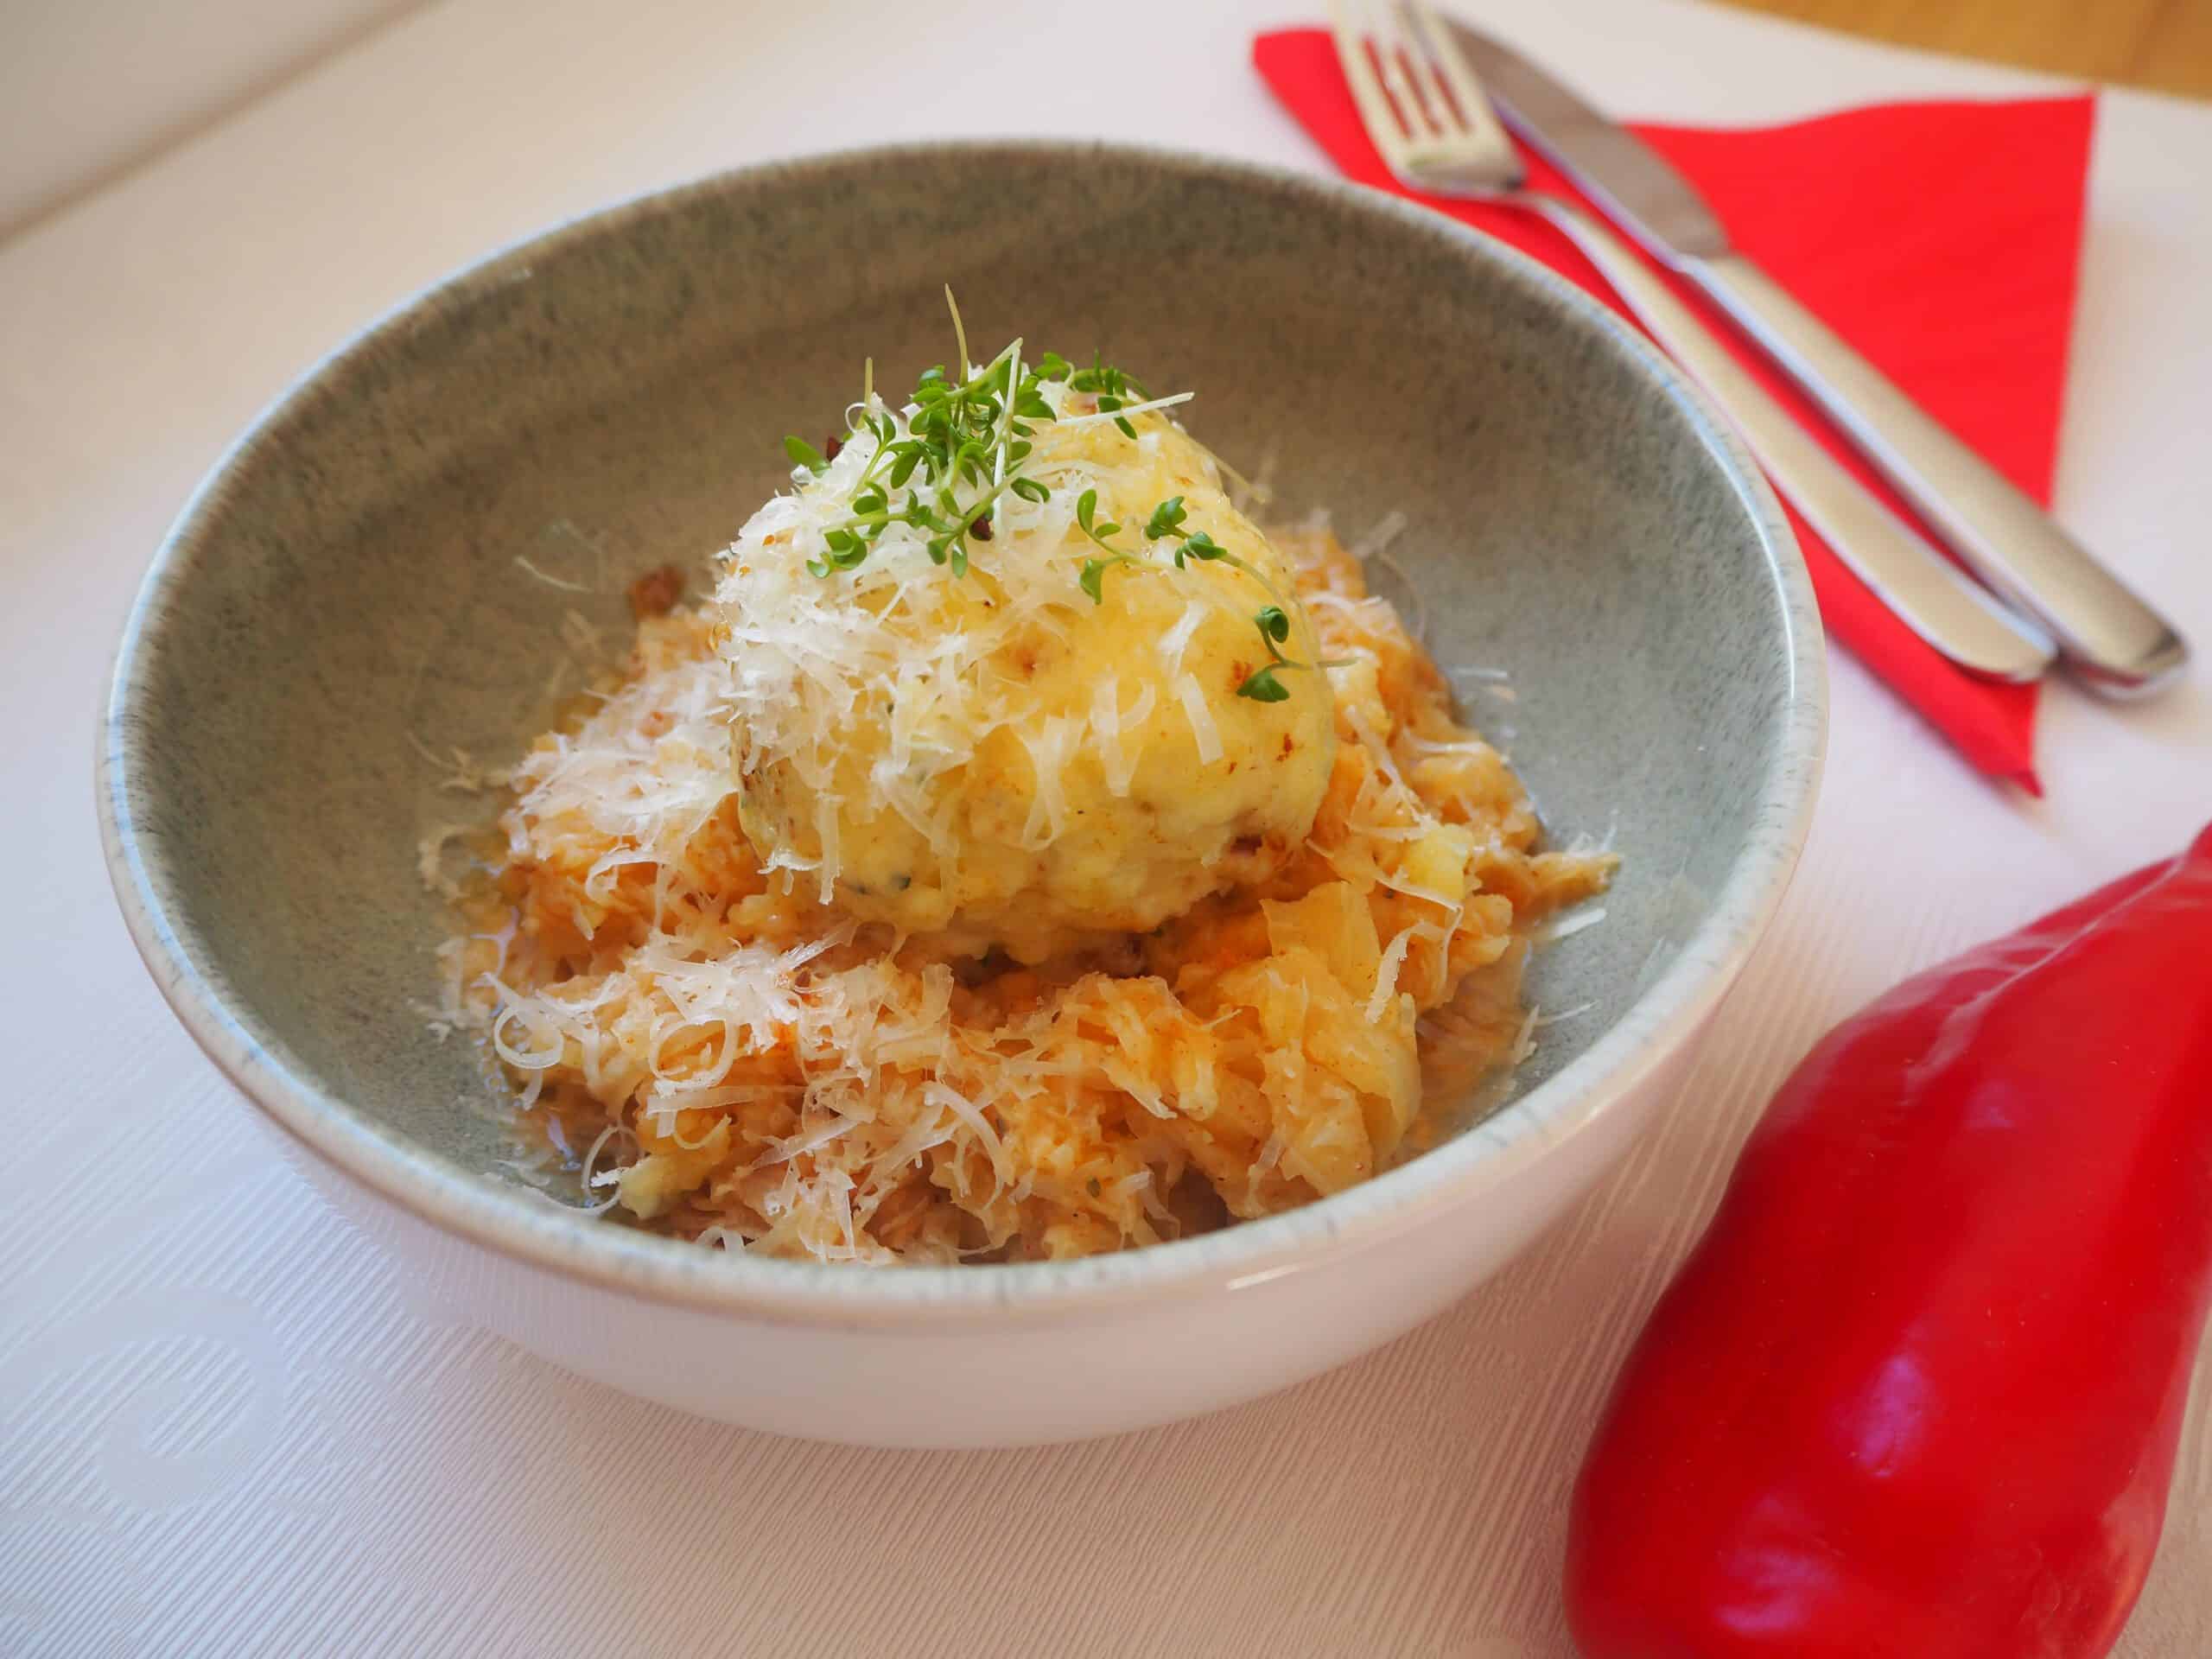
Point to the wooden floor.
(2163, 44)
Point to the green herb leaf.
(970, 437)
(846, 551)
(1264, 687)
(1203, 546)
(1166, 518)
(1093, 579)
(1274, 623)
(1101, 375)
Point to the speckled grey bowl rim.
(539, 1232)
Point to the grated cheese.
(1568, 925)
(1177, 639)
(1203, 729)
(1106, 723)
(1393, 959)
(431, 858)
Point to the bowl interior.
(351, 589)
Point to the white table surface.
(88, 87)
(227, 1426)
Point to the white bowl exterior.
(1015, 1379)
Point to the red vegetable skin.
(1918, 1389)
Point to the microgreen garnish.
(1264, 687)
(963, 447)
(1203, 547)
(1169, 522)
(1093, 578)
(942, 467)
(1111, 387)
(1274, 623)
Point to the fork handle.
(1929, 593)
(2115, 643)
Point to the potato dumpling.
(999, 757)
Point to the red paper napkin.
(1940, 240)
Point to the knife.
(2114, 642)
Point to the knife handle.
(2115, 643)
(1931, 595)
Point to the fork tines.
(1420, 103)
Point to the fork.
(1433, 124)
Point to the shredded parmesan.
(430, 857)
(1177, 639)
(1393, 959)
(1049, 748)
(1108, 720)
(1203, 729)
(1568, 925)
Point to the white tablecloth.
(226, 1426)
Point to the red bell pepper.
(1917, 1391)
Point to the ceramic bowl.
(345, 588)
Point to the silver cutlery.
(1430, 120)
(2112, 640)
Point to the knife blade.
(2113, 641)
